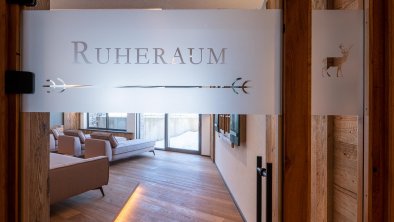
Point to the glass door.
(183, 132)
(175, 132)
(152, 126)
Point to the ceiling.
(155, 4)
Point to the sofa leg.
(102, 191)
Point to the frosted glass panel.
(189, 61)
(337, 62)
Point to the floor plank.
(172, 187)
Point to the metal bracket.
(19, 82)
(23, 2)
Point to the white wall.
(84, 120)
(238, 165)
(205, 135)
(55, 119)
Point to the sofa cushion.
(132, 145)
(55, 133)
(59, 160)
(105, 136)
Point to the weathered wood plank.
(35, 170)
(273, 156)
(345, 166)
(274, 4)
(72, 121)
(346, 129)
(322, 149)
(345, 208)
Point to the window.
(107, 121)
(231, 126)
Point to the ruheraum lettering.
(83, 54)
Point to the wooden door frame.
(9, 114)
(296, 103)
(379, 188)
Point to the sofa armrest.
(69, 145)
(96, 147)
(73, 179)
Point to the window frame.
(106, 124)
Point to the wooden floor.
(175, 187)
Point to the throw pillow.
(76, 133)
(105, 136)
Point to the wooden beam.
(297, 110)
(14, 109)
(3, 115)
(390, 74)
(35, 169)
(9, 114)
(378, 116)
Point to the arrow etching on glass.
(233, 86)
(61, 87)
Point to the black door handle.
(264, 172)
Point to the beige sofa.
(123, 149)
(70, 176)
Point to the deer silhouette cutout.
(336, 61)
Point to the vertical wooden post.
(35, 167)
(297, 110)
(390, 73)
(378, 111)
(9, 114)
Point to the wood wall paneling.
(322, 175)
(72, 121)
(274, 4)
(296, 85)
(274, 154)
(35, 171)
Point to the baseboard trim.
(231, 194)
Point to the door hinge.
(23, 2)
(19, 82)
